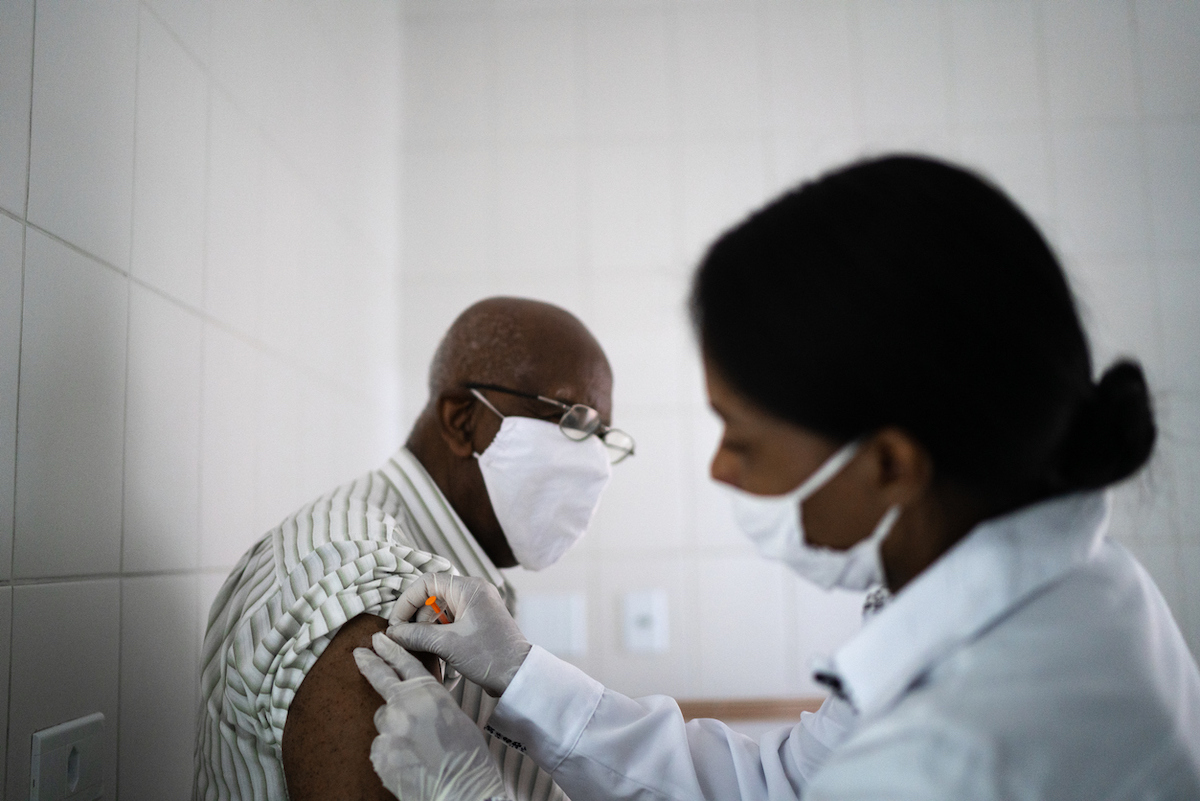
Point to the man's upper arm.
(331, 723)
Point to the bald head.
(518, 343)
(513, 343)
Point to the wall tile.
(293, 246)
(720, 70)
(227, 464)
(647, 368)
(1189, 621)
(1162, 562)
(1180, 442)
(629, 212)
(643, 507)
(16, 78)
(428, 309)
(449, 201)
(1169, 56)
(81, 157)
(904, 66)
(538, 76)
(65, 655)
(743, 647)
(1118, 300)
(70, 429)
(1179, 287)
(1173, 164)
(627, 312)
(637, 674)
(11, 257)
(577, 571)
(189, 21)
(449, 78)
(235, 197)
(162, 435)
(825, 620)
(159, 686)
(627, 91)
(1017, 157)
(795, 157)
(245, 56)
(5, 664)
(169, 165)
(565, 289)
(1089, 59)
(722, 181)
(1100, 189)
(811, 73)
(280, 484)
(995, 62)
(537, 218)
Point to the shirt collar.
(998, 564)
(438, 523)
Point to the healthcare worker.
(908, 401)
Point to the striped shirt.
(350, 551)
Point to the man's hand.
(482, 642)
(427, 748)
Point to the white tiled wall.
(585, 153)
(197, 334)
(198, 233)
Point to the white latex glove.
(427, 748)
(482, 642)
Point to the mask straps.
(832, 466)
(488, 404)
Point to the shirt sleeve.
(270, 624)
(600, 744)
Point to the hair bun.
(1112, 433)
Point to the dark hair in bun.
(909, 292)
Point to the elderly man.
(504, 466)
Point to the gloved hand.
(427, 748)
(482, 642)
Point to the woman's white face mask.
(544, 487)
(775, 524)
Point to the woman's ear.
(456, 423)
(905, 466)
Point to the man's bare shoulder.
(331, 723)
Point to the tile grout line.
(77, 578)
(137, 78)
(16, 439)
(201, 428)
(1152, 256)
(286, 359)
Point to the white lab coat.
(1035, 660)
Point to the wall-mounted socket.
(647, 622)
(67, 761)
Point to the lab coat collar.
(990, 571)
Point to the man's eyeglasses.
(578, 421)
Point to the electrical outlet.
(67, 761)
(647, 622)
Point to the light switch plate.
(67, 761)
(647, 622)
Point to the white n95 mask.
(775, 524)
(543, 486)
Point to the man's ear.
(456, 423)
(905, 466)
